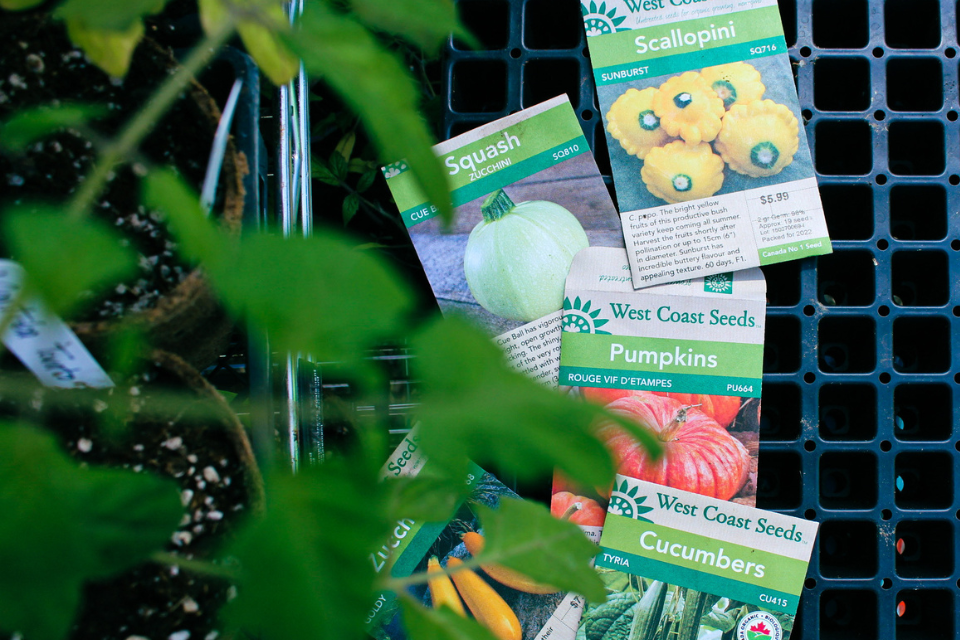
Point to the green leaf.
(108, 15)
(375, 84)
(265, 20)
(314, 295)
(366, 180)
(305, 567)
(439, 624)
(428, 497)
(474, 406)
(338, 165)
(345, 146)
(320, 171)
(350, 206)
(108, 49)
(523, 536)
(65, 257)
(425, 23)
(31, 125)
(19, 5)
(63, 524)
(198, 238)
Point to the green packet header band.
(710, 545)
(493, 156)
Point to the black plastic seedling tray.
(860, 372)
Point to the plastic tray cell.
(862, 362)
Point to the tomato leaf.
(366, 180)
(376, 85)
(439, 624)
(305, 567)
(425, 23)
(108, 49)
(108, 15)
(63, 524)
(485, 411)
(351, 204)
(26, 127)
(260, 33)
(65, 257)
(523, 536)
(320, 171)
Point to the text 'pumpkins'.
(518, 256)
(698, 454)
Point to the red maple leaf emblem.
(759, 628)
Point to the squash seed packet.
(712, 169)
(415, 546)
(681, 565)
(527, 196)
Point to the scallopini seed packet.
(710, 162)
(527, 196)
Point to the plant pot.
(169, 301)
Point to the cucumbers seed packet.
(527, 196)
(414, 545)
(679, 564)
(712, 169)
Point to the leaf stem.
(144, 120)
(196, 566)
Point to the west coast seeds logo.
(578, 318)
(598, 21)
(625, 502)
(718, 283)
(759, 625)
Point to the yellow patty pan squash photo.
(633, 123)
(735, 83)
(679, 171)
(688, 108)
(759, 139)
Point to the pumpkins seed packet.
(417, 547)
(683, 360)
(679, 564)
(527, 196)
(711, 167)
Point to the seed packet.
(527, 196)
(679, 564)
(684, 360)
(710, 162)
(414, 546)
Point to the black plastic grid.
(860, 377)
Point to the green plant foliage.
(523, 536)
(425, 23)
(63, 524)
(428, 497)
(65, 258)
(108, 15)
(31, 125)
(259, 23)
(109, 49)
(485, 411)
(439, 624)
(305, 568)
(375, 84)
(19, 5)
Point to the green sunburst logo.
(719, 283)
(578, 318)
(598, 21)
(625, 502)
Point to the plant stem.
(143, 122)
(196, 566)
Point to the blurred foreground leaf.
(64, 256)
(475, 407)
(422, 623)
(108, 49)
(523, 536)
(28, 126)
(427, 497)
(108, 15)
(375, 84)
(305, 567)
(19, 5)
(425, 23)
(259, 22)
(63, 525)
